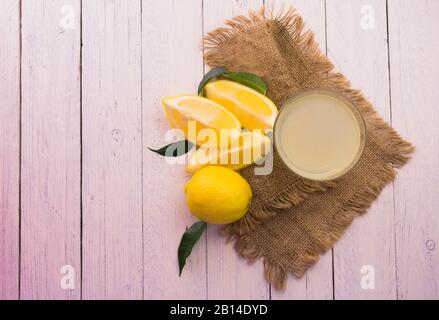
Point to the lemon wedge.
(253, 109)
(248, 148)
(194, 114)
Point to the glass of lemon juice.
(319, 134)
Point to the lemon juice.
(319, 134)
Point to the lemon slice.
(254, 110)
(248, 148)
(194, 114)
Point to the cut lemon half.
(248, 148)
(253, 109)
(201, 120)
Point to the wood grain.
(50, 183)
(414, 34)
(112, 150)
(317, 282)
(230, 277)
(133, 206)
(357, 44)
(9, 147)
(172, 64)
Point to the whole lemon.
(218, 195)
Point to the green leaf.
(249, 79)
(189, 239)
(175, 149)
(213, 73)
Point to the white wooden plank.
(357, 44)
(9, 147)
(414, 46)
(172, 64)
(230, 277)
(215, 13)
(50, 183)
(317, 282)
(112, 150)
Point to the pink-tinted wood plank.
(228, 276)
(50, 184)
(172, 64)
(357, 44)
(317, 282)
(9, 147)
(112, 150)
(414, 47)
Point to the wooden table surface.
(81, 195)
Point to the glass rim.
(349, 103)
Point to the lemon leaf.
(188, 240)
(248, 79)
(175, 149)
(213, 73)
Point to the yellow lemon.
(218, 195)
(201, 119)
(253, 109)
(247, 149)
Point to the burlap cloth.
(291, 221)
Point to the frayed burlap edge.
(396, 151)
(276, 273)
